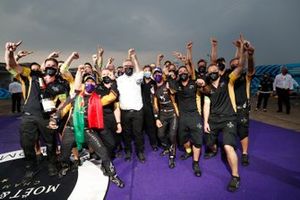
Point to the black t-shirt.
(163, 96)
(266, 84)
(186, 95)
(102, 90)
(240, 90)
(146, 92)
(220, 103)
(32, 104)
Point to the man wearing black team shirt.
(242, 96)
(190, 127)
(34, 119)
(149, 124)
(220, 115)
(111, 113)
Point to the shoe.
(155, 148)
(94, 156)
(196, 169)
(65, 167)
(52, 170)
(256, 109)
(128, 156)
(39, 158)
(210, 154)
(30, 173)
(245, 160)
(171, 162)
(116, 180)
(234, 184)
(75, 165)
(185, 156)
(141, 157)
(265, 110)
(164, 152)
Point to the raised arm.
(159, 58)
(99, 60)
(214, 50)
(10, 61)
(22, 54)
(189, 59)
(78, 78)
(238, 70)
(250, 51)
(109, 62)
(134, 59)
(65, 67)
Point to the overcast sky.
(151, 27)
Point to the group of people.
(105, 108)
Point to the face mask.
(184, 77)
(233, 67)
(221, 66)
(106, 79)
(201, 70)
(50, 71)
(129, 71)
(120, 73)
(147, 74)
(213, 76)
(89, 88)
(158, 78)
(36, 73)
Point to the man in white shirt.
(15, 89)
(283, 84)
(129, 86)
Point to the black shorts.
(243, 123)
(228, 127)
(190, 128)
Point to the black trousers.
(262, 97)
(31, 127)
(283, 97)
(91, 138)
(16, 102)
(132, 123)
(149, 125)
(168, 132)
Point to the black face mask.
(106, 79)
(50, 71)
(36, 73)
(213, 76)
(120, 73)
(184, 77)
(201, 70)
(129, 71)
(221, 66)
(232, 67)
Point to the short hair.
(202, 60)
(53, 60)
(167, 61)
(89, 64)
(221, 59)
(233, 59)
(35, 63)
(212, 64)
(147, 66)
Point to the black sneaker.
(171, 162)
(234, 184)
(196, 169)
(164, 152)
(155, 148)
(185, 156)
(128, 156)
(75, 165)
(210, 154)
(30, 173)
(52, 170)
(141, 157)
(65, 167)
(116, 180)
(245, 160)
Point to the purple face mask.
(89, 88)
(158, 78)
